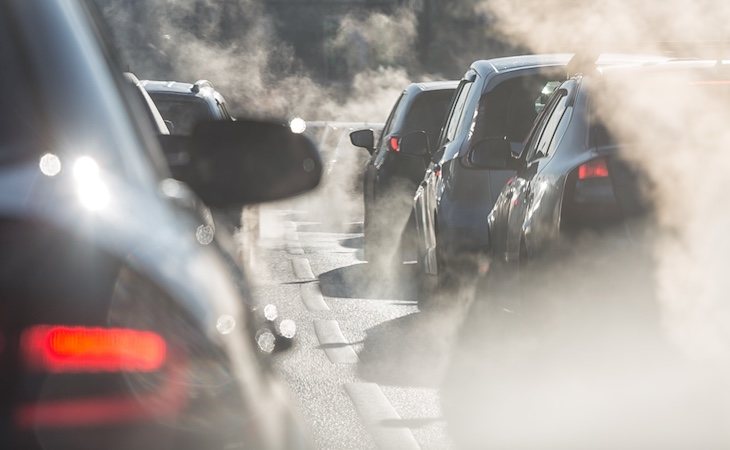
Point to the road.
(366, 364)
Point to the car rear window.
(428, 113)
(184, 111)
(509, 110)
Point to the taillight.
(57, 349)
(394, 143)
(593, 169)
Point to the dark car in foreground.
(497, 98)
(121, 324)
(392, 174)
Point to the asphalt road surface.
(366, 365)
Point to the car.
(122, 325)
(586, 242)
(497, 98)
(222, 236)
(571, 175)
(184, 104)
(391, 176)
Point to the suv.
(121, 324)
(496, 98)
(392, 176)
(185, 104)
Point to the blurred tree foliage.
(298, 35)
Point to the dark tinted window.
(428, 113)
(538, 128)
(184, 111)
(457, 110)
(509, 109)
(544, 145)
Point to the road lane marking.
(294, 248)
(333, 342)
(312, 297)
(302, 269)
(374, 409)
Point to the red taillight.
(81, 349)
(394, 143)
(593, 169)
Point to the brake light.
(593, 169)
(58, 349)
(394, 143)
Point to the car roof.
(173, 87)
(510, 63)
(202, 88)
(513, 63)
(436, 85)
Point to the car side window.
(544, 132)
(456, 111)
(560, 130)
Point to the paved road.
(366, 364)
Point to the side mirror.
(491, 153)
(170, 125)
(244, 162)
(414, 144)
(364, 139)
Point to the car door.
(428, 191)
(542, 191)
(508, 219)
(371, 170)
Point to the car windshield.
(184, 111)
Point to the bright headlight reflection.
(288, 328)
(298, 125)
(271, 312)
(50, 165)
(265, 340)
(225, 324)
(93, 192)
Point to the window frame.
(541, 125)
